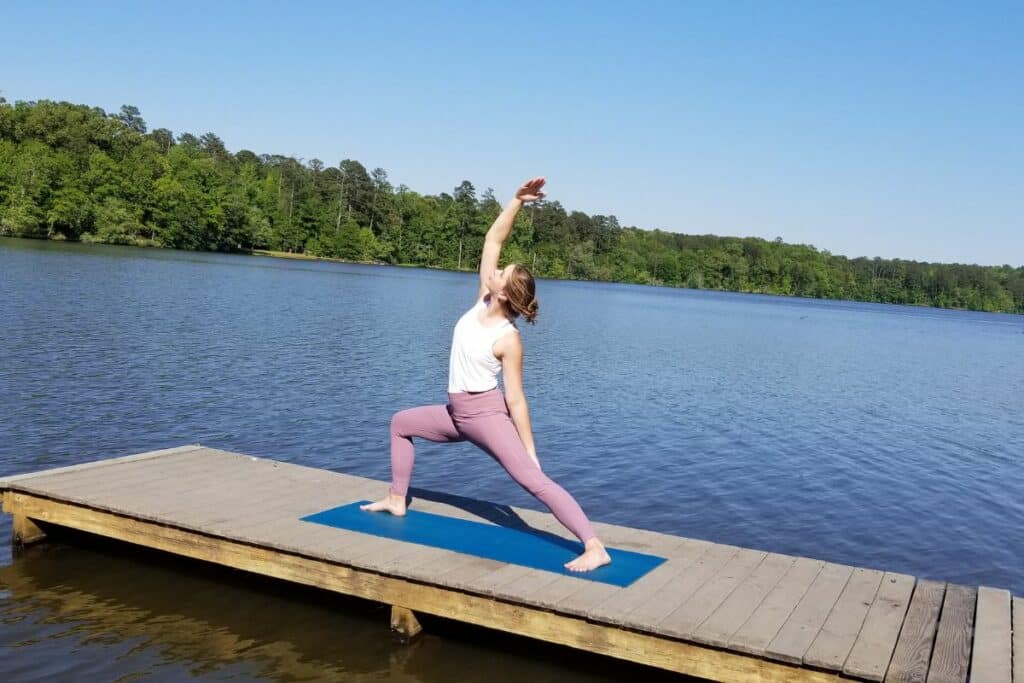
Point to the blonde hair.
(521, 293)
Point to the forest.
(75, 172)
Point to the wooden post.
(404, 624)
(25, 532)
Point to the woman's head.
(519, 291)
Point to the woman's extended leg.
(428, 422)
(497, 435)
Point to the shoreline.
(295, 256)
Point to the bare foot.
(393, 504)
(594, 556)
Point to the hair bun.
(530, 314)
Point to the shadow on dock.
(501, 515)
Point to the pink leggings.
(483, 420)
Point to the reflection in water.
(82, 608)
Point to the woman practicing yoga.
(484, 343)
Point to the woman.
(485, 343)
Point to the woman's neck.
(496, 309)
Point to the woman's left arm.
(509, 350)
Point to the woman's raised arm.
(529, 191)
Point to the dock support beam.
(25, 532)
(404, 624)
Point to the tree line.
(74, 172)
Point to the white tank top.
(472, 365)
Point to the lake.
(865, 434)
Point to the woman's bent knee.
(400, 422)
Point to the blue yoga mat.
(530, 548)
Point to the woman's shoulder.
(508, 343)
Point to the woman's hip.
(467, 405)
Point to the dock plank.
(655, 608)
(462, 575)
(614, 609)
(872, 651)
(96, 479)
(803, 625)
(991, 661)
(833, 643)
(692, 613)
(6, 481)
(136, 494)
(1018, 640)
(491, 584)
(718, 628)
(758, 631)
(587, 595)
(523, 586)
(952, 651)
(913, 651)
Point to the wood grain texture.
(615, 609)
(833, 643)
(872, 651)
(652, 610)
(687, 617)
(718, 628)
(991, 661)
(803, 625)
(758, 631)
(1018, 640)
(951, 654)
(7, 481)
(913, 651)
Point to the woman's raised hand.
(530, 191)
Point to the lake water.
(865, 434)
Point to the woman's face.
(496, 282)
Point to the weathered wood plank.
(177, 496)
(461, 576)
(490, 584)
(684, 585)
(578, 596)
(692, 613)
(873, 648)
(589, 594)
(718, 628)
(614, 609)
(524, 586)
(89, 481)
(560, 629)
(913, 651)
(1018, 640)
(991, 661)
(951, 654)
(836, 638)
(803, 625)
(7, 480)
(757, 632)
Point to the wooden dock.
(713, 611)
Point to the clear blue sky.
(890, 129)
